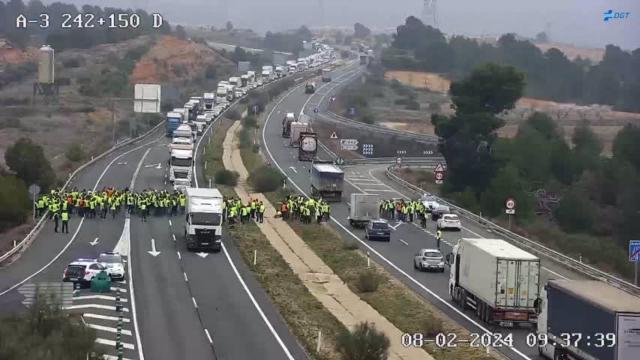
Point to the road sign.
(634, 250)
(34, 190)
(439, 168)
(510, 203)
(147, 98)
(349, 144)
(316, 110)
(510, 211)
(367, 149)
(333, 135)
(399, 161)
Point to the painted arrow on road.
(294, 169)
(202, 254)
(157, 166)
(153, 251)
(395, 227)
(94, 242)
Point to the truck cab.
(310, 88)
(201, 124)
(209, 101)
(203, 222)
(174, 119)
(308, 147)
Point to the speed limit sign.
(510, 204)
(439, 176)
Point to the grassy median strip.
(391, 298)
(304, 314)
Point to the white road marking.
(195, 304)
(98, 297)
(109, 329)
(170, 224)
(124, 243)
(293, 169)
(179, 256)
(185, 277)
(404, 242)
(208, 336)
(94, 242)
(173, 236)
(104, 317)
(75, 234)
(113, 343)
(111, 357)
(94, 306)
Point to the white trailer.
(203, 225)
(180, 166)
(183, 113)
(296, 129)
(499, 281)
(363, 208)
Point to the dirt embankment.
(10, 55)
(605, 122)
(176, 61)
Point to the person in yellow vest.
(253, 206)
(65, 221)
(143, 210)
(183, 202)
(261, 208)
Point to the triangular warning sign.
(333, 135)
(439, 168)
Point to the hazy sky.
(574, 21)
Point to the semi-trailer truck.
(174, 119)
(308, 147)
(209, 101)
(363, 208)
(203, 224)
(588, 320)
(286, 124)
(327, 181)
(499, 281)
(310, 88)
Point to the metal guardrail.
(529, 244)
(36, 229)
(418, 160)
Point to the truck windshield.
(180, 162)
(206, 219)
(180, 174)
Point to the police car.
(82, 271)
(114, 264)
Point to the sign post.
(634, 255)
(510, 205)
(439, 174)
(34, 190)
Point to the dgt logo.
(610, 14)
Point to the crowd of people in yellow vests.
(406, 211)
(303, 209)
(235, 210)
(108, 201)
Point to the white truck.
(296, 129)
(267, 74)
(209, 101)
(251, 78)
(201, 124)
(183, 131)
(499, 281)
(181, 143)
(244, 81)
(203, 225)
(221, 94)
(280, 72)
(180, 168)
(235, 81)
(588, 320)
(183, 113)
(363, 208)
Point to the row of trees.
(550, 75)
(62, 38)
(599, 196)
(287, 41)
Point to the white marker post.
(255, 257)
(368, 260)
(319, 341)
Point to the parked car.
(114, 264)
(82, 271)
(429, 201)
(378, 229)
(449, 221)
(428, 259)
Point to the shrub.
(226, 177)
(14, 202)
(27, 160)
(350, 245)
(250, 122)
(412, 105)
(363, 343)
(368, 119)
(234, 114)
(368, 281)
(71, 63)
(265, 179)
(575, 213)
(75, 153)
(401, 101)
(210, 72)
(432, 326)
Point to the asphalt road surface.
(183, 305)
(407, 238)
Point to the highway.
(178, 304)
(396, 256)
